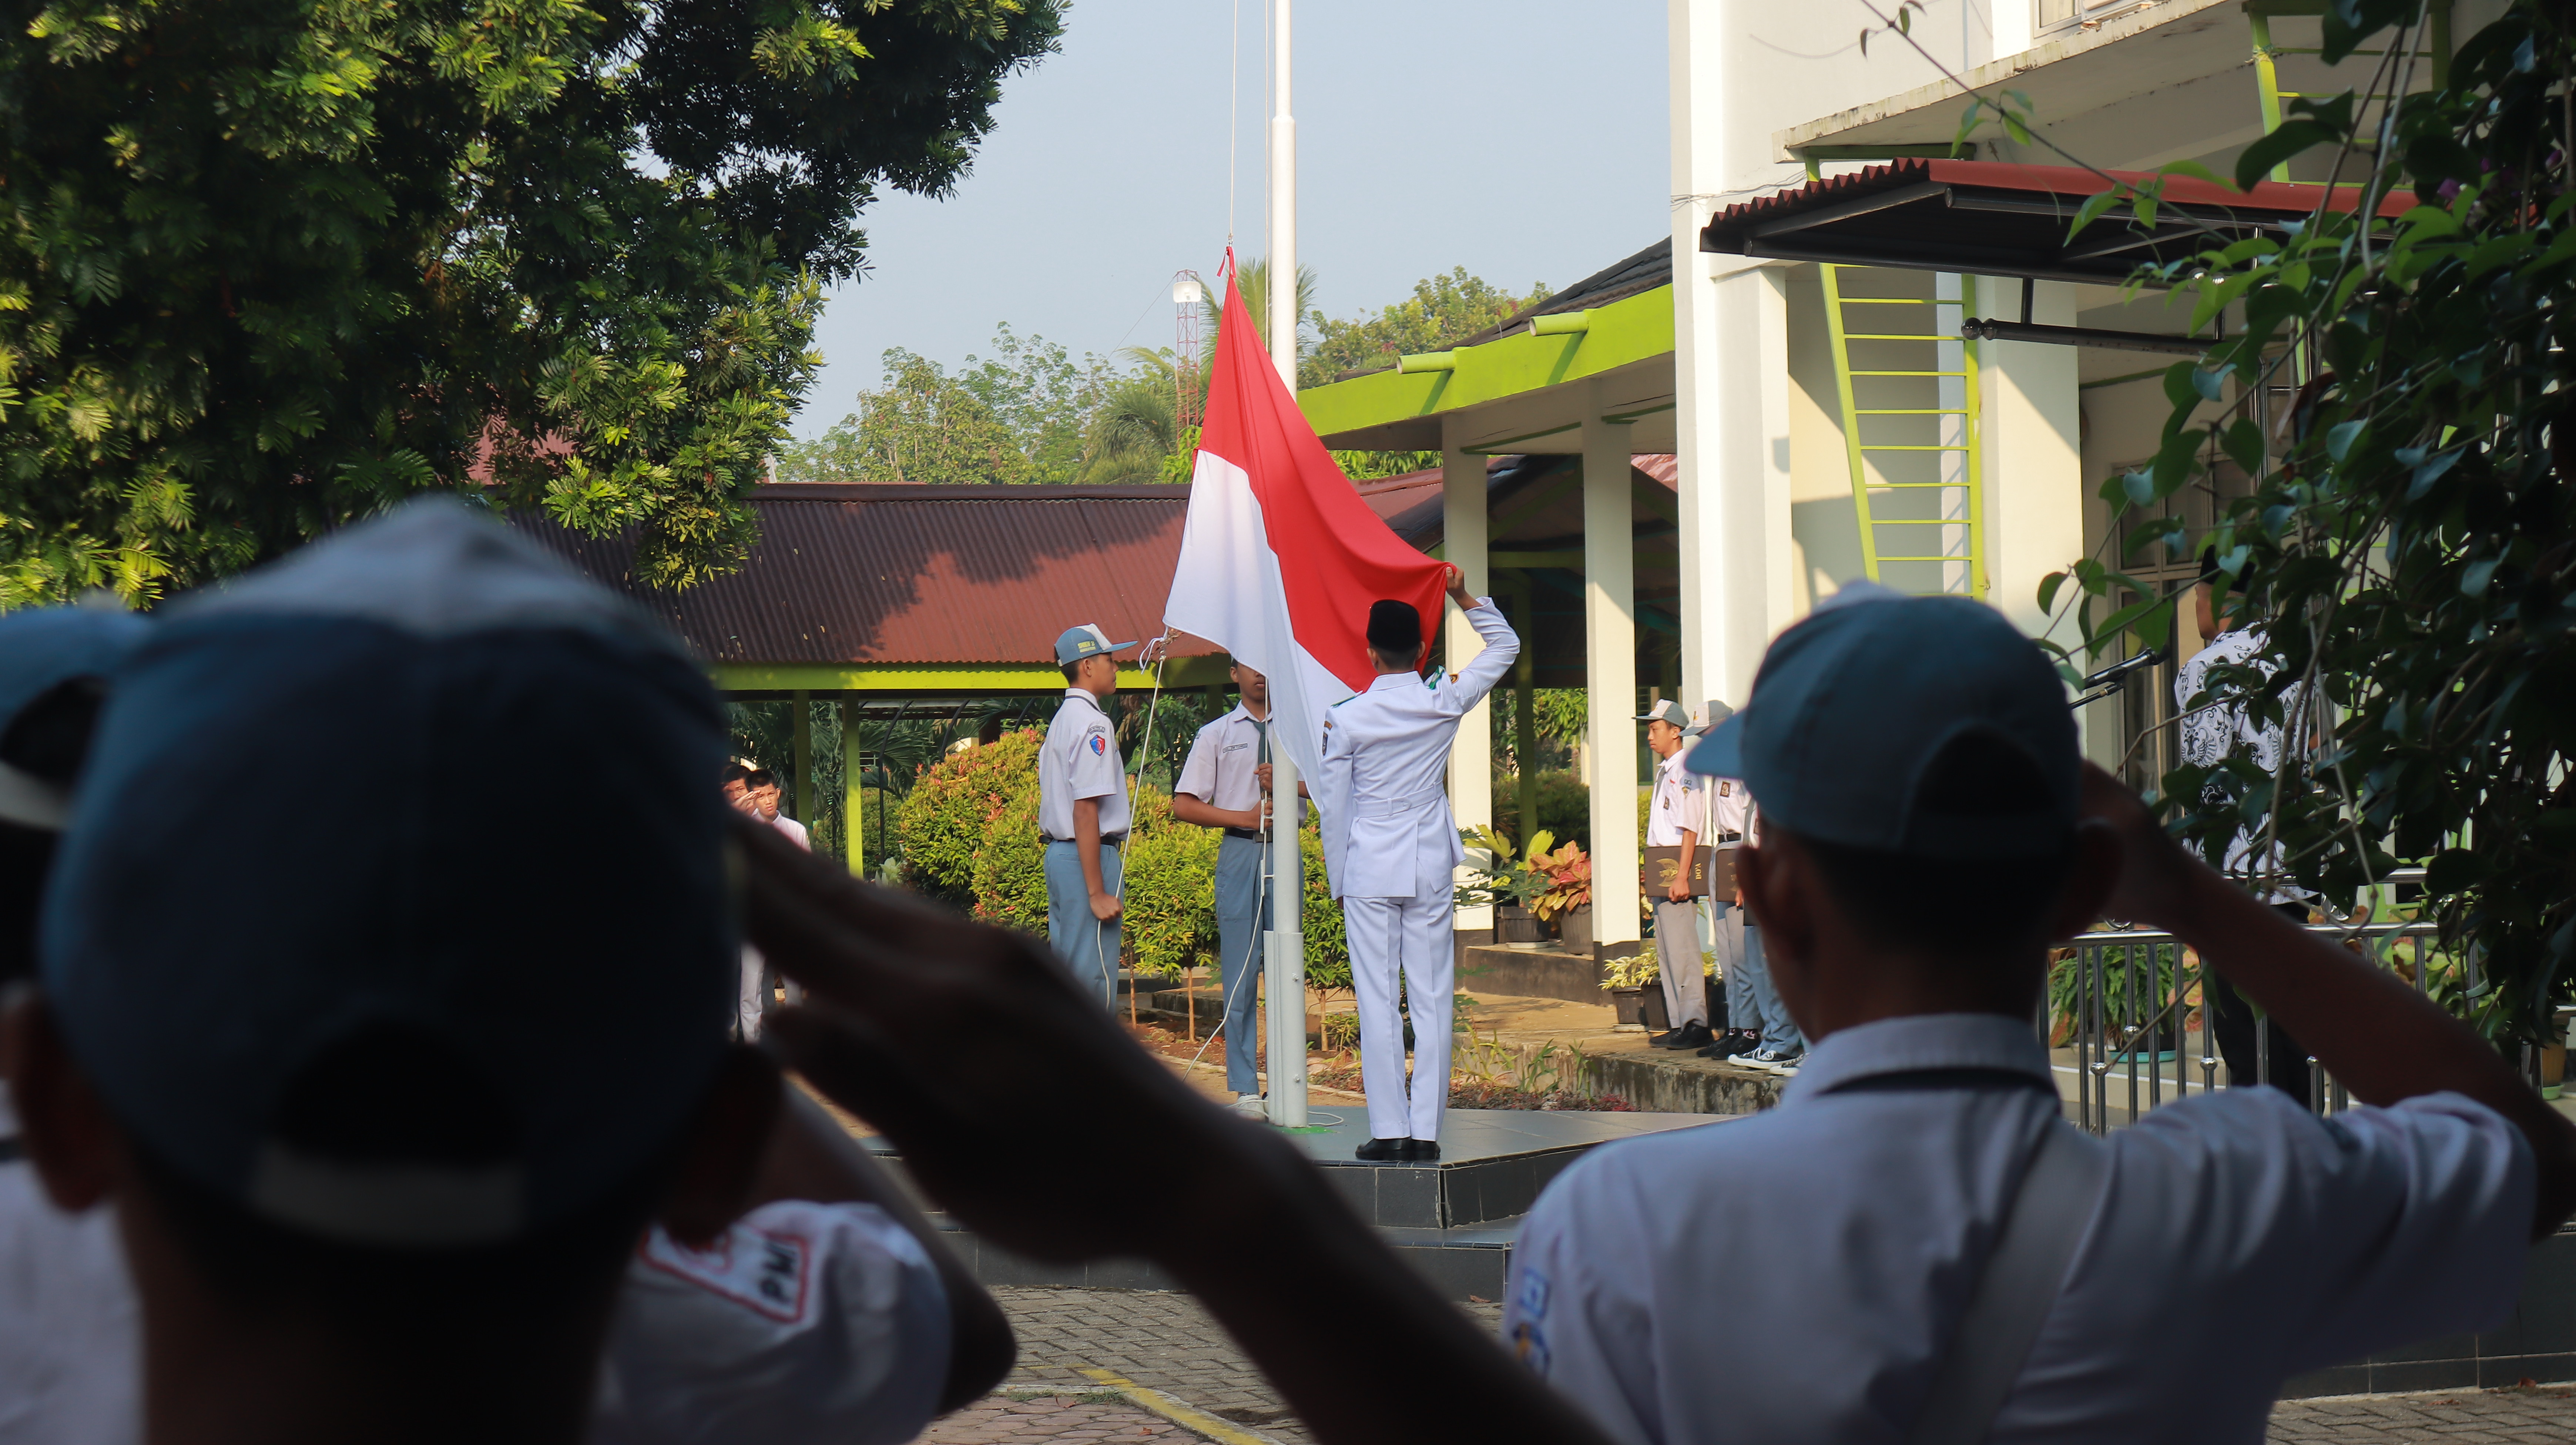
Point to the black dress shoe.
(1730, 1043)
(1422, 1151)
(1379, 1151)
(1688, 1036)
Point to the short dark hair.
(1956, 908)
(760, 778)
(49, 739)
(1072, 671)
(1396, 661)
(734, 773)
(388, 1094)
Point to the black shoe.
(1422, 1151)
(1739, 1041)
(1377, 1151)
(1688, 1036)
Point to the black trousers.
(2232, 1022)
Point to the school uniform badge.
(1099, 746)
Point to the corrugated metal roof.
(1994, 218)
(919, 574)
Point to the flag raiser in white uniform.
(1390, 854)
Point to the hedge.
(954, 803)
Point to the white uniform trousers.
(1417, 936)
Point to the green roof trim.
(1621, 333)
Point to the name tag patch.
(764, 1273)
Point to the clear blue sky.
(1524, 141)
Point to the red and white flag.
(1281, 560)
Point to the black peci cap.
(1394, 627)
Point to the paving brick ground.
(1166, 1342)
(1000, 1421)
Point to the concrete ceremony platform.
(1454, 1219)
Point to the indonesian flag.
(1280, 559)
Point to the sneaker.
(1689, 1036)
(1778, 1061)
(1250, 1106)
(1731, 1043)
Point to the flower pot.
(1630, 1004)
(1514, 924)
(1650, 1009)
(1574, 929)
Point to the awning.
(1990, 218)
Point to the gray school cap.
(1087, 640)
(317, 966)
(1852, 706)
(1667, 711)
(42, 648)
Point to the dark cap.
(1853, 706)
(1394, 627)
(292, 929)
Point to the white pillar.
(1750, 559)
(1696, 50)
(1610, 672)
(1471, 758)
(2034, 458)
(1284, 956)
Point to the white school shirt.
(1388, 832)
(2211, 735)
(1795, 1274)
(1678, 805)
(1079, 759)
(1219, 769)
(805, 1324)
(1730, 810)
(794, 830)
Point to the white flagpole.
(1283, 956)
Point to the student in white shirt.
(1082, 812)
(1225, 783)
(1676, 816)
(1915, 863)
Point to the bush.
(1010, 867)
(1564, 808)
(1171, 899)
(954, 803)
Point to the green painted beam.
(1621, 333)
(985, 677)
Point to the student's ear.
(70, 1137)
(721, 1157)
(2089, 883)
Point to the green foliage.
(1559, 718)
(1171, 899)
(764, 734)
(2401, 396)
(1017, 417)
(1328, 944)
(1010, 865)
(1564, 807)
(269, 267)
(1442, 311)
(953, 804)
(1134, 434)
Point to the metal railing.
(2136, 993)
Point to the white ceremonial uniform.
(1390, 853)
(1830, 1245)
(1679, 806)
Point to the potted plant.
(1566, 896)
(1629, 981)
(1509, 887)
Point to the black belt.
(1249, 835)
(1110, 839)
(1728, 838)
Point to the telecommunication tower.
(1189, 304)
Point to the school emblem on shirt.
(1099, 746)
(763, 1271)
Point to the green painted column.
(854, 832)
(803, 726)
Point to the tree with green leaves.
(268, 267)
(1441, 312)
(2401, 397)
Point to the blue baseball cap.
(1854, 705)
(41, 649)
(1085, 641)
(318, 963)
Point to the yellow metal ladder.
(2259, 15)
(1920, 461)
